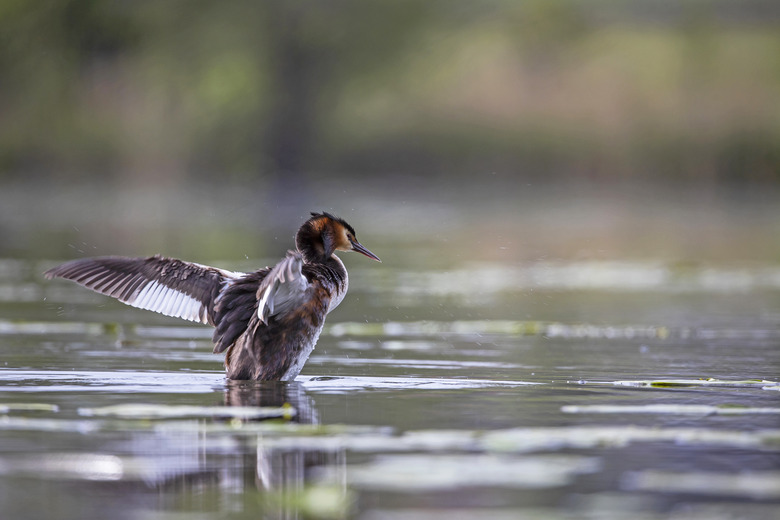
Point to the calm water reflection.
(542, 390)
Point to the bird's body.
(267, 322)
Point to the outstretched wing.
(165, 285)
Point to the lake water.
(453, 388)
(637, 390)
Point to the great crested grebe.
(267, 321)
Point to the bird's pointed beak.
(357, 246)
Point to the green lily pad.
(421, 473)
(757, 485)
(548, 439)
(155, 411)
(670, 409)
(496, 327)
(709, 382)
(28, 407)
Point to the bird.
(267, 322)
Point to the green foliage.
(171, 90)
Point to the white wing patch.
(156, 297)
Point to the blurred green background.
(135, 125)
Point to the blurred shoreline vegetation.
(169, 92)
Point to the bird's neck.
(314, 253)
(338, 276)
(314, 243)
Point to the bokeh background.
(499, 130)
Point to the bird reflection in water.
(238, 465)
(284, 469)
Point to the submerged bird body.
(267, 322)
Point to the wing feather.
(283, 289)
(234, 308)
(165, 285)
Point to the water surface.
(544, 389)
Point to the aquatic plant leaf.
(50, 328)
(344, 384)
(757, 485)
(536, 439)
(420, 473)
(709, 382)
(28, 407)
(462, 328)
(156, 411)
(671, 409)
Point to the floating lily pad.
(47, 328)
(86, 466)
(497, 327)
(40, 424)
(236, 426)
(760, 485)
(671, 409)
(421, 473)
(28, 407)
(344, 384)
(536, 439)
(470, 513)
(155, 411)
(97, 466)
(518, 440)
(438, 364)
(709, 382)
(324, 501)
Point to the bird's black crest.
(337, 219)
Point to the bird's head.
(323, 234)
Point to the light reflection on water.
(603, 380)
